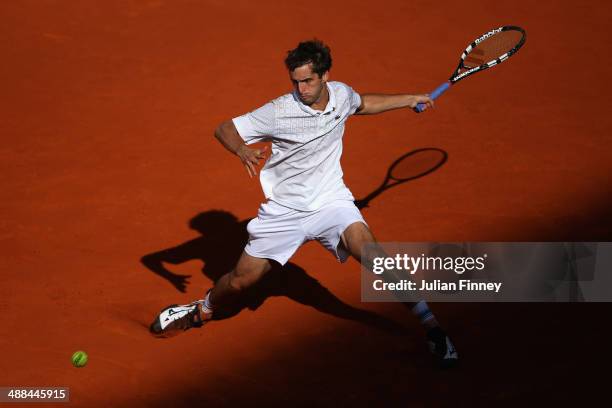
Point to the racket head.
(490, 49)
(416, 163)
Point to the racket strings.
(492, 48)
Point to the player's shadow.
(220, 245)
(409, 166)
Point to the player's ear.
(325, 76)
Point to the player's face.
(308, 85)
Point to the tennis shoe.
(176, 319)
(442, 348)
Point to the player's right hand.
(424, 98)
(250, 158)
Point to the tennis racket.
(410, 166)
(489, 50)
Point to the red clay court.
(107, 155)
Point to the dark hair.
(313, 51)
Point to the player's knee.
(242, 281)
(371, 257)
(237, 284)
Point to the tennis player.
(306, 198)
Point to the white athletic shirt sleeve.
(355, 100)
(303, 171)
(256, 126)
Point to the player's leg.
(355, 238)
(247, 272)
(177, 318)
(275, 234)
(340, 227)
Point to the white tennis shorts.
(278, 231)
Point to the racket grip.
(434, 95)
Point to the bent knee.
(242, 281)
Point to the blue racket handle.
(437, 92)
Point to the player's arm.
(227, 134)
(378, 103)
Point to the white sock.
(207, 303)
(422, 312)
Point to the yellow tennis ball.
(79, 359)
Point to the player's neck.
(321, 103)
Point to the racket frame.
(456, 76)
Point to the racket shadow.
(409, 166)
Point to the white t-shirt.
(303, 171)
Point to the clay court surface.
(107, 154)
